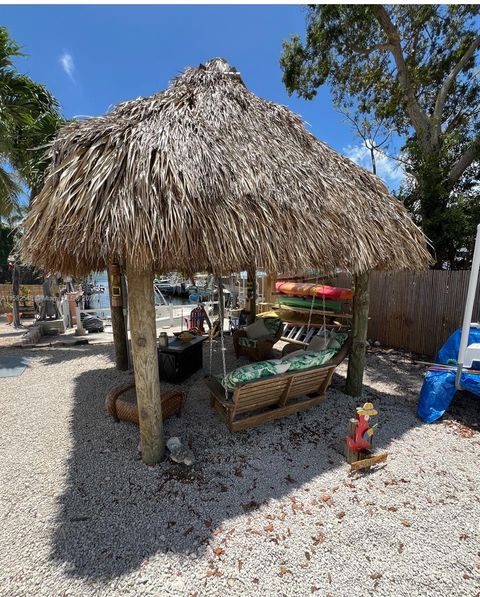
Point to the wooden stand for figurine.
(368, 462)
(349, 453)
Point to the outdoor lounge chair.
(255, 402)
(261, 348)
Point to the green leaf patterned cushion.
(272, 324)
(248, 342)
(311, 359)
(254, 371)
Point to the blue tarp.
(439, 386)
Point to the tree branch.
(367, 51)
(419, 118)
(464, 161)
(442, 94)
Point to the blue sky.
(92, 57)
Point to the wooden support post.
(120, 338)
(251, 293)
(221, 303)
(145, 361)
(356, 360)
(270, 281)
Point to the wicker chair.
(260, 349)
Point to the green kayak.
(306, 303)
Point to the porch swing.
(252, 403)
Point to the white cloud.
(66, 60)
(390, 170)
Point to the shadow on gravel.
(116, 512)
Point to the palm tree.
(29, 119)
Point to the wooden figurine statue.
(359, 440)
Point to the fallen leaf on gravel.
(207, 523)
(270, 516)
(268, 528)
(327, 499)
(463, 537)
(238, 472)
(213, 572)
(282, 516)
(240, 565)
(318, 539)
(314, 589)
(218, 551)
(308, 555)
(283, 570)
(400, 548)
(376, 575)
(406, 522)
(340, 515)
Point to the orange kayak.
(303, 289)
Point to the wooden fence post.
(357, 358)
(120, 337)
(145, 361)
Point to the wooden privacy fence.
(416, 311)
(32, 289)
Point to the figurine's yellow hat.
(367, 409)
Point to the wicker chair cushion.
(247, 342)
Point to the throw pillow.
(319, 342)
(256, 330)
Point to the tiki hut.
(207, 176)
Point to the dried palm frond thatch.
(207, 176)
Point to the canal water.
(101, 300)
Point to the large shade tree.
(414, 68)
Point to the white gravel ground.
(269, 511)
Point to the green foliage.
(29, 118)
(6, 243)
(411, 67)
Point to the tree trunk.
(120, 338)
(251, 293)
(356, 360)
(145, 361)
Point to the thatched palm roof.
(206, 176)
